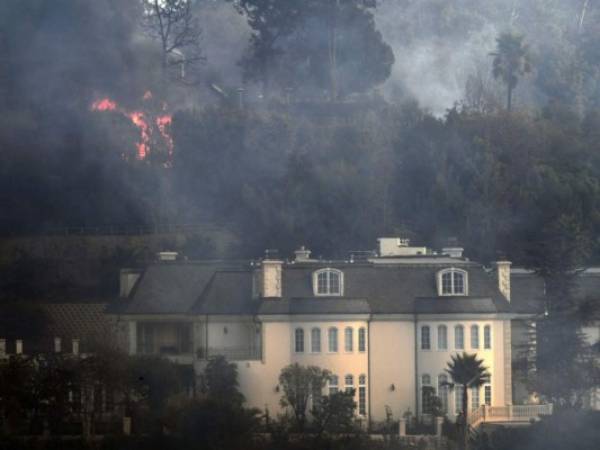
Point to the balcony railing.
(231, 353)
(508, 413)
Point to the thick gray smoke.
(434, 70)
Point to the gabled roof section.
(323, 305)
(527, 292)
(221, 288)
(169, 288)
(395, 288)
(228, 292)
(528, 289)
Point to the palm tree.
(511, 60)
(466, 371)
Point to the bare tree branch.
(172, 22)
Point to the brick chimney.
(270, 275)
(502, 269)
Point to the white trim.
(293, 318)
(328, 271)
(453, 293)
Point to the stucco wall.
(434, 361)
(392, 363)
(259, 379)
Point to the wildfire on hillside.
(149, 125)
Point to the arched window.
(443, 391)
(452, 282)
(349, 383)
(328, 282)
(333, 340)
(425, 338)
(427, 394)
(474, 336)
(333, 384)
(299, 340)
(362, 395)
(348, 339)
(459, 337)
(315, 340)
(362, 340)
(442, 337)
(487, 337)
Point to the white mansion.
(384, 325)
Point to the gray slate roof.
(218, 288)
(528, 290)
(327, 305)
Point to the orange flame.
(138, 118)
(104, 104)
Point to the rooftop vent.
(394, 246)
(453, 248)
(167, 256)
(302, 254)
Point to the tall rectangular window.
(349, 383)
(348, 339)
(333, 384)
(474, 336)
(458, 398)
(362, 395)
(425, 338)
(362, 340)
(362, 400)
(487, 392)
(447, 283)
(459, 337)
(299, 340)
(322, 285)
(333, 340)
(442, 337)
(315, 340)
(474, 398)
(487, 337)
(443, 391)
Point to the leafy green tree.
(221, 380)
(511, 60)
(316, 45)
(215, 424)
(335, 413)
(152, 382)
(299, 383)
(17, 392)
(565, 367)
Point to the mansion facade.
(385, 325)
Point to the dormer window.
(328, 282)
(452, 282)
